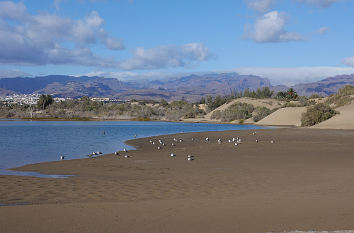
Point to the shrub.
(316, 114)
(315, 96)
(216, 115)
(342, 97)
(261, 112)
(237, 111)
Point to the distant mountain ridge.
(191, 87)
(326, 86)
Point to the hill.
(326, 86)
(191, 87)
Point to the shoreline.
(302, 181)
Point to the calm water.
(24, 142)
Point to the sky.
(288, 41)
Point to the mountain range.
(191, 87)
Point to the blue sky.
(288, 41)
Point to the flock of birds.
(160, 144)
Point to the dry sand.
(284, 116)
(303, 181)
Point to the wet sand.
(303, 181)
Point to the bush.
(237, 111)
(316, 114)
(216, 115)
(342, 97)
(261, 112)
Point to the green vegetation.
(236, 111)
(343, 96)
(288, 95)
(44, 101)
(260, 113)
(84, 108)
(316, 114)
(262, 93)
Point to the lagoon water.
(25, 142)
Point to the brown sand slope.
(302, 181)
(284, 116)
(344, 120)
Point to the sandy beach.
(302, 181)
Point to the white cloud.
(320, 3)
(260, 5)
(113, 43)
(349, 61)
(166, 56)
(323, 30)
(270, 27)
(291, 76)
(38, 39)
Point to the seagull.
(192, 139)
(257, 140)
(99, 152)
(163, 144)
(219, 141)
(172, 155)
(180, 140)
(272, 141)
(116, 153)
(236, 144)
(125, 150)
(158, 148)
(62, 157)
(173, 144)
(190, 157)
(207, 139)
(126, 156)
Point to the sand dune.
(284, 116)
(344, 120)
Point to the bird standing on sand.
(219, 141)
(207, 139)
(125, 150)
(190, 157)
(172, 155)
(62, 157)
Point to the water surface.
(25, 142)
